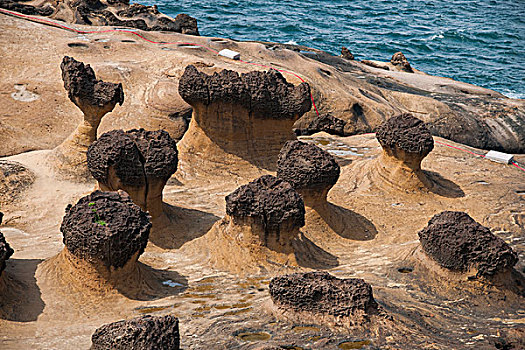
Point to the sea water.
(480, 42)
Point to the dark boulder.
(106, 227)
(141, 333)
(269, 200)
(322, 293)
(457, 242)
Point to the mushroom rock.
(160, 158)
(105, 13)
(405, 141)
(310, 170)
(5, 250)
(457, 243)
(262, 223)
(346, 54)
(104, 234)
(140, 333)
(401, 63)
(95, 98)
(114, 160)
(320, 297)
(139, 162)
(240, 122)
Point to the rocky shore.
(158, 195)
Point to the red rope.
(461, 149)
(41, 20)
(517, 166)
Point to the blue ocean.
(480, 42)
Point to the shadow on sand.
(443, 187)
(346, 223)
(20, 296)
(180, 225)
(309, 255)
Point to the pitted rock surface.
(399, 60)
(141, 333)
(304, 165)
(80, 82)
(406, 132)
(105, 13)
(106, 226)
(118, 150)
(159, 152)
(325, 122)
(5, 250)
(457, 242)
(270, 200)
(322, 293)
(265, 94)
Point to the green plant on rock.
(98, 220)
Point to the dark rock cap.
(159, 152)
(106, 226)
(80, 82)
(268, 199)
(118, 150)
(266, 94)
(324, 122)
(457, 242)
(406, 132)
(5, 250)
(322, 293)
(346, 54)
(304, 165)
(399, 60)
(141, 333)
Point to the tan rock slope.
(351, 97)
(422, 241)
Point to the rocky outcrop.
(141, 333)
(400, 62)
(139, 162)
(346, 54)
(359, 96)
(238, 119)
(95, 98)
(106, 13)
(321, 298)
(322, 293)
(310, 170)
(5, 250)
(458, 243)
(405, 141)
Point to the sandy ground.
(375, 237)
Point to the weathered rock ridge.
(352, 98)
(105, 13)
